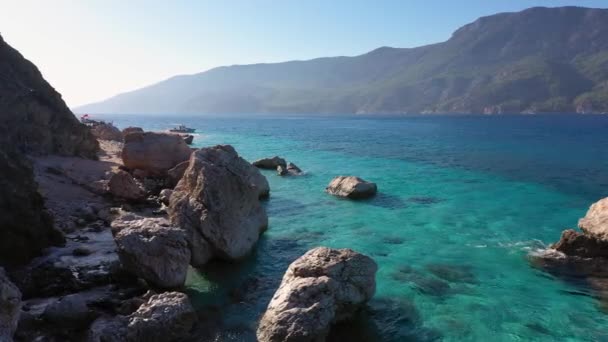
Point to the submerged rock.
(154, 153)
(217, 203)
(351, 187)
(107, 131)
(153, 250)
(319, 289)
(10, 307)
(123, 185)
(270, 163)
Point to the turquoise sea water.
(462, 202)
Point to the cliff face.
(33, 116)
(33, 119)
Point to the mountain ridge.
(537, 60)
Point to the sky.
(90, 50)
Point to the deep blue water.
(463, 200)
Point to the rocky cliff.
(33, 119)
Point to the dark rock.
(176, 173)
(82, 251)
(270, 163)
(130, 130)
(122, 185)
(574, 243)
(188, 139)
(10, 307)
(25, 226)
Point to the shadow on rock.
(384, 320)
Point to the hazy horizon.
(91, 51)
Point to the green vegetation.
(537, 60)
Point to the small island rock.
(351, 187)
(270, 163)
(321, 288)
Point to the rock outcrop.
(153, 250)
(154, 153)
(176, 173)
(124, 186)
(10, 307)
(270, 163)
(34, 118)
(217, 203)
(351, 187)
(290, 170)
(593, 241)
(321, 288)
(165, 317)
(188, 139)
(595, 222)
(25, 226)
(131, 129)
(106, 131)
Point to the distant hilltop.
(534, 61)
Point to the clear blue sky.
(90, 50)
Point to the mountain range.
(537, 60)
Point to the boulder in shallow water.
(321, 288)
(270, 163)
(154, 153)
(10, 307)
(293, 168)
(351, 187)
(595, 222)
(123, 185)
(153, 250)
(290, 170)
(217, 203)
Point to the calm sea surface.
(462, 202)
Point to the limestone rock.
(123, 185)
(107, 131)
(351, 187)
(165, 196)
(595, 223)
(153, 250)
(176, 173)
(290, 170)
(165, 317)
(131, 129)
(10, 307)
(321, 288)
(270, 163)
(155, 153)
(217, 202)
